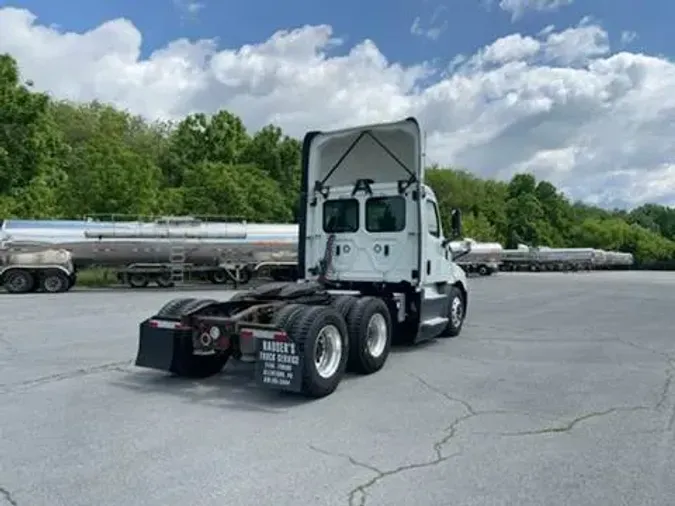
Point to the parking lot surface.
(559, 391)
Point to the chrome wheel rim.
(328, 351)
(456, 311)
(376, 335)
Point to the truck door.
(434, 255)
(434, 272)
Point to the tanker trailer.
(46, 270)
(150, 251)
(602, 259)
(564, 259)
(518, 259)
(164, 251)
(619, 260)
(484, 257)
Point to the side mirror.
(456, 224)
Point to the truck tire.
(483, 270)
(456, 310)
(344, 304)
(370, 332)
(321, 335)
(239, 296)
(172, 309)
(138, 280)
(218, 277)
(19, 281)
(54, 281)
(186, 364)
(164, 280)
(287, 315)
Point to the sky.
(581, 93)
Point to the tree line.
(64, 160)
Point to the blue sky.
(469, 24)
(588, 106)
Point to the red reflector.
(163, 324)
(246, 334)
(280, 336)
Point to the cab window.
(433, 224)
(341, 216)
(385, 214)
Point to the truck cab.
(370, 222)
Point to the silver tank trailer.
(483, 257)
(125, 243)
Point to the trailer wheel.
(137, 280)
(370, 332)
(321, 334)
(483, 270)
(218, 277)
(164, 280)
(456, 310)
(19, 281)
(54, 281)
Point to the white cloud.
(518, 8)
(434, 29)
(189, 7)
(561, 104)
(627, 36)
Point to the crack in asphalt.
(7, 496)
(85, 371)
(358, 496)
(567, 427)
(665, 392)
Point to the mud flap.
(156, 346)
(279, 364)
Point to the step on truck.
(374, 267)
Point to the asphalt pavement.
(559, 391)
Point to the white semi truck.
(374, 265)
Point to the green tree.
(62, 159)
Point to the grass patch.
(96, 277)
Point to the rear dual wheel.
(370, 330)
(320, 332)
